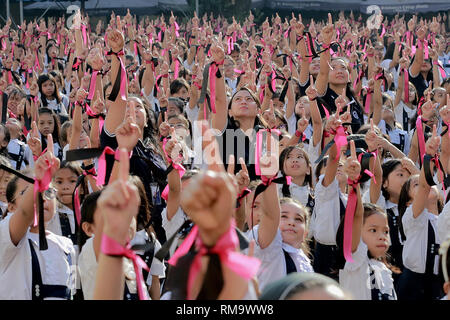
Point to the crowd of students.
(216, 159)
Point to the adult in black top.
(422, 71)
(331, 82)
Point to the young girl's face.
(46, 124)
(183, 93)
(388, 112)
(257, 210)
(412, 93)
(283, 143)
(243, 105)
(314, 67)
(65, 181)
(339, 72)
(375, 234)
(395, 180)
(292, 224)
(48, 88)
(296, 164)
(340, 173)
(303, 104)
(440, 97)
(433, 196)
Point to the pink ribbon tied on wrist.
(244, 266)
(181, 170)
(110, 247)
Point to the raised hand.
(352, 167)
(372, 138)
(119, 203)
(328, 31)
(128, 133)
(46, 161)
(311, 91)
(433, 143)
(302, 123)
(34, 140)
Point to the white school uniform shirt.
(15, 263)
(443, 223)
(398, 112)
(87, 269)
(299, 193)
(356, 278)
(231, 83)
(326, 217)
(416, 232)
(14, 148)
(394, 135)
(273, 262)
(61, 107)
(54, 225)
(171, 226)
(157, 268)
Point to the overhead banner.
(386, 6)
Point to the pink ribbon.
(92, 85)
(177, 68)
(41, 186)
(181, 170)
(176, 29)
(244, 266)
(348, 220)
(111, 247)
(340, 139)
(102, 166)
(420, 137)
(327, 113)
(83, 32)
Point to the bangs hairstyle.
(48, 77)
(306, 214)
(75, 168)
(259, 120)
(283, 157)
(56, 129)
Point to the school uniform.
(396, 234)
(232, 83)
(367, 279)
(60, 108)
(420, 279)
(20, 155)
(399, 138)
(173, 225)
(87, 269)
(329, 210)
(403, 115)
(26, 273)
(303, 194)
(63, 224)
(157, 268)
(277, 259)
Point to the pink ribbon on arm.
(340, 139)
(420, 137)
(102, 166)
(177, 68)
(241, 264)
(83, 32)
(92, 85)
(112, 248)
(181, 170)
(348, 221)
(41, 186)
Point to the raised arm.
(421, 196)
(325, 58)
(219, 119)
(418, 56)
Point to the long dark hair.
(45, 77)
(387, 168)
(258, 120)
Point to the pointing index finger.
(243, 165)
(230, 168)
(50, 146)
(353, 149)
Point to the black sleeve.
(106, 140)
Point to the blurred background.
(184, 9)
